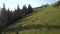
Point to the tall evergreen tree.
(18, 12)
(24, 10)
(3, 16)
(3, 19)
(30, 10)
(9, 17)
(14, 15)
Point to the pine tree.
(9, 17)
(18, 12)
(24, 11)
(3, 19)
(30, 10)
(3, 16)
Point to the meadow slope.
(48, 15)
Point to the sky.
(12, 4)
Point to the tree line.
(8, 17)
(57, 4)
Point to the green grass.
(37, 31)
(49, 15)
(42, 31)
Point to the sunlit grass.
(37, 31)
(49, 15)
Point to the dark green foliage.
(8, 17)
(24, 11)
(43, 6)
(3, 16)
(30, 10)
(46, 5)
(57, 4)
(16, 14)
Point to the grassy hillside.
(38, 31)
(49, 15)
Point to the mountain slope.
(48, 15)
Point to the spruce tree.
(18, 12)
(3, 20)
(24, 11)
(3, 16)
(30, 10)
